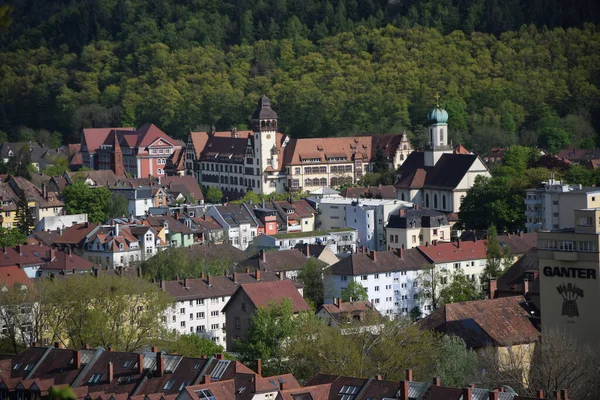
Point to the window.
(191, 316)
(183, 385)
(388, 287)
(344, 278)
(182, 311)
(348, 392)
(182, 324)
(376, 276)
(377, 288)
(199, 302)
(243, 306)
(214, 313)
(585, 221)
(415, 284)
(376, 301)
(169, 384)
(95, 378)
(364, 278)
(205, 394)
(199, 315)
(238, 324)
(414, 238)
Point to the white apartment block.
(368, 216)
(239, 224)
(199, 303)
(552, 206)
(391, 280)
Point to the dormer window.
(120, 246)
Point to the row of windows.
(222, 168)
(160, 151)
(568, 245)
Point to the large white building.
(440, 176)
(368, 216)
(391, 279)
(199, 303)
(413, 227)
(239, 224)
(552, 206)
(266, 161)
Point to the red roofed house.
(249, 297)
(450, 257)
(40, 260)
(140, 153)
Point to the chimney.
(494, 395)
(160, 364)
(402, 212)
(259, 367)
(263, 255)
(20, 249)
(525, 286)
(467, 393)
(458, 243)
(162, 284)
(110, 348)
(307, 249)
(409, 376)
(247, 270)
(378, 377)
(338, 302)
(208, 280)
(44, 191)
(206, 379)
(219, 356)
(437, 381)
(185, 282)
(426, 244)
(492, 288)
(52, 255)
(564, 395)
(155, 349)
(110, 372)
(87, 346)
(540, 394)
(281, 275)
(404, 390)
(116, 229)
(257, 274)
(141, 363)
(522, 235)
(77, 359)
(400, 252)
(235, 276)
(96, 272)
(374, 255)
(57, 345)
(283, 385)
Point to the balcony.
(529, 213)
(532, 202)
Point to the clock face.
(268, 136)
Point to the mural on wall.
(570, 293)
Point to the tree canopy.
(80, 198)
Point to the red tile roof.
(185, 184)
(12, 275)
(443, 252)
(498, 322)
(262, 293)
(94, 137)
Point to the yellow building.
(569, 262)
(41, 202)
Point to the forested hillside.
(330, 68)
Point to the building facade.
(413, 227)
(266, 161)
(552, 206)
(569, 274)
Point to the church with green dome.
(438, 177)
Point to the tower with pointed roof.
(438, 142)
(117, 156)
(264, 125)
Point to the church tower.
(117, 156)
(264, 125)
(437, 143)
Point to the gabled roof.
(263, 293)
(12, 275)
(480, 323)
(149, 133)
(75, 234)
(386, 261)
(94, 137)
(187, 185)
(443, 252)
(511, 280)
(176, 226)
(105, 177)
(446, 174)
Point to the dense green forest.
(506, 71)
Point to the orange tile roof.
(11, 275)
(443, 252)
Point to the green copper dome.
(438, 116)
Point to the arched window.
(307, 182)
(405, 148)
(401, 156)
(441, 135)
(262, 124)
(435, 204)
(427, 200)
(443, 202)
(323, 181)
